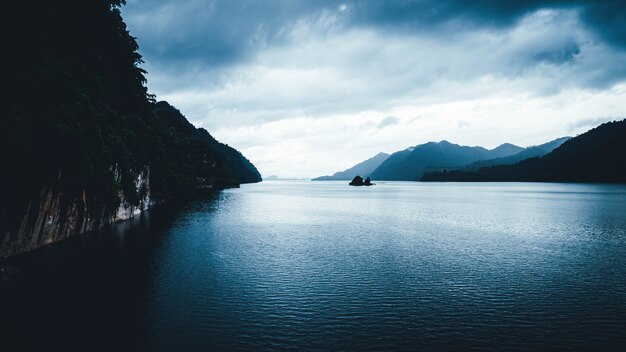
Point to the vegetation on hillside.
(78, 111)
(410, 164)
(595, 156)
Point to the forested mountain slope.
(595, 156)
(410, 164)
(82, 143)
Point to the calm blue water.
(323, 266)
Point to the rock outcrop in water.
(358, 181)
(82, 142)
(363, 168)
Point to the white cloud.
(304, 146)
(321, 99)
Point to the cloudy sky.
(306, 88)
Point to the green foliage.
(78, 106)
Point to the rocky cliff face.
(53, 216)
(142, 186)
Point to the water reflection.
(88, 293)
(322, 266)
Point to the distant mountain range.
(363, 169)
(530, 152)
(595, 156)
(410, 164)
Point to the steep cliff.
(53, 215)
(82, 143)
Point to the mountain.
(410, 164)
(196, 154)
(82, 142)
(363, 169)
(530, 152)
(505, 150)
(595, 156)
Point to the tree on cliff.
(79, 119)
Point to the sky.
(308, 88)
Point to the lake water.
(323, 266)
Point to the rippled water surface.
(323, 266)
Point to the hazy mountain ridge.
(364, 169)
(595, 156)
(506, 149)
(530, 152)
(410, 164)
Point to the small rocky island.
(358, 181)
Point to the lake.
(296, 265)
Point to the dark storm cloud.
(217, 32)
(608, 18)
(566, 53)
(223, 31)
(420, 14)
(605, 17)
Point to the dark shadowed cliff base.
(595, 156)
(82, 142)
